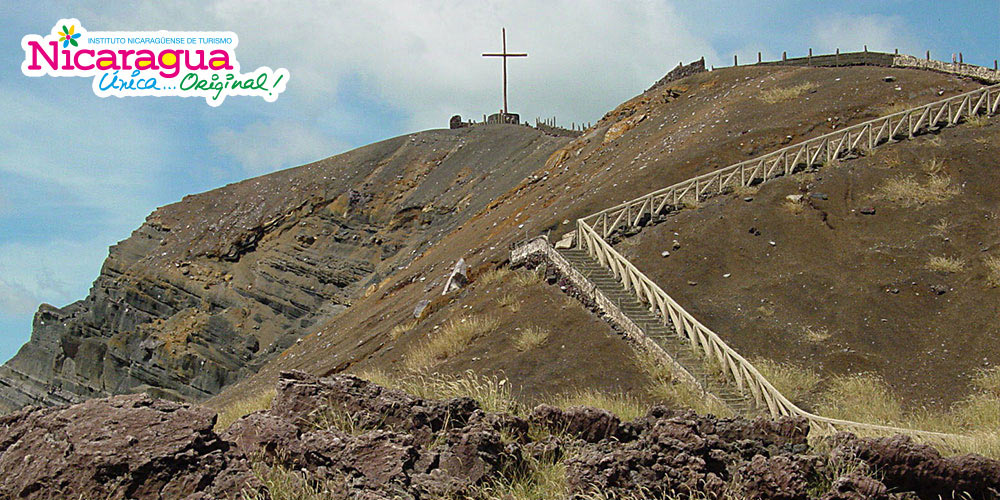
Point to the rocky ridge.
(350, 438)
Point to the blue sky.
(79, 173)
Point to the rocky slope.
(669, 133)
(210, 288)
(343, 437)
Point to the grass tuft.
(529, 277)
(530, 338)
(493, 276)
(992, 264)
(776, 95)
(945, 264)
(908, 191)
(510, 302)
(402, 328)
(493, 393)
(238, 409)
(978, 120)
(450, 340)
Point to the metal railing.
(593, 230)
(818, 150)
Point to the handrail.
(710, 345)
(826, 147)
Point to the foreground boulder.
(130, 446)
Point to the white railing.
(593, 229)
(818, 150)
(733, 366)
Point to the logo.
(150, 63)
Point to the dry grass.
(945, 264)
(796, 383)
(541, 480)
(493, 392)
(450, 340)
(776, 95)
(626, 406)
(528, 277)
(933, 166)
(744, 191)
(530, 338)
(978, 120)
(493, 276)
(396, 331)
(794, 207)
(908, 191)
(992, 264)
(892, 160)
(815, 334)
(941, 227)
(892, 109)
(510, 302)
(289, 484)
(665, 388)
(862, 398)
(238, 409)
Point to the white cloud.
(265, 147)
(585, 57)
(104, 163)
(851, 33)
(56, 271)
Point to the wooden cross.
(505, 55)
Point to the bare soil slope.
(907, 292)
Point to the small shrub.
(945, 264)
(992, 263)
(530, 338)
(238, 409)
(776, 95)
(451, 339)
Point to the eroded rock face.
(129, 446)
(209, 289)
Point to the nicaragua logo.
(150, 63)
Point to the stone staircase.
(663, 335)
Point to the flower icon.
(67, 37)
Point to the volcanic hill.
(320, 267)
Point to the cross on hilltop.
(504, 54)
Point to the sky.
(78, 172)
